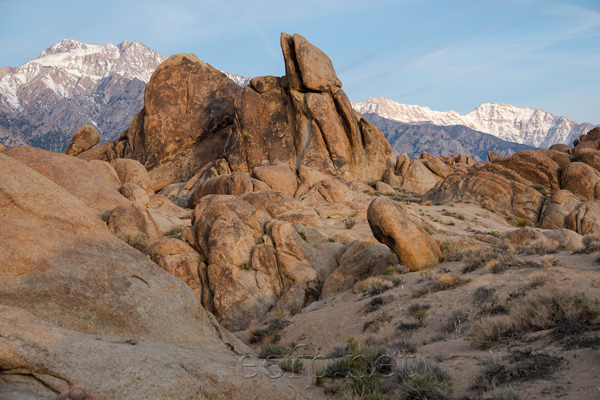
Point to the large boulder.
(560, 204)
(392, 226)
(131, 171)
(134, 225)
(362, 259)
(74, 175)
(84, 139)
(585, 220)
(106, 171)
(582, 180)
(536, 166)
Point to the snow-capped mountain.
(240, 80)
(44, 101)
(522, 125)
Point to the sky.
(446, 55)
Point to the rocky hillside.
(70, 84)
(416, 138)
(530, 126)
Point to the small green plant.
(270, 351)
(540, 189)
(427, 229)
(451, 252)
(139, 241)
(201, 258)
(174, 231)
(303, 236)
(246, 267)
(291, 366)
(522, 223)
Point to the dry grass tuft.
(439, 280)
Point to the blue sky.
(437, 53)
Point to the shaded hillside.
(442, 140)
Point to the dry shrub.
(488, 330)
(420, 378)
(438, 281)
(548, 306)
(591, 244)
(549, 262)
(372, 284)
(543, 308)
(139, 241)
(458, 321)
(538, 280)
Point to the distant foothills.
(44, 101)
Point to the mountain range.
(44, 101)
(70, 84)
(523, 125)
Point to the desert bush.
(457, 322)
(291, 366)
(418, 311)
(482, 294)
(409, 326)
(174, 231)
(349, 222)
(538, 280)
(438, 281)
(269, 351)
(542, 245)
(402, 345)
(419, 378)
(549, 262)
(377, 302)
(488, 330)
(543, 308)
(451, 251)
(339, 351)
(507, 393)
(548, 306)
(591, 244)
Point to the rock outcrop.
(195, 115)
(80, 306)
(555, 188)
(75, 176)
(84, 139)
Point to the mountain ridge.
(524, 125)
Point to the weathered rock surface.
(84, 139)
(106, 171)
(134, 225)
(304, 118)
(560, 204)
(131, 171)
(74, 175)
(582, 180)
(585, 220)
(80, 306)
(392, 226)
(361, 260)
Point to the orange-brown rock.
(106, 171)
(438, 167)
(84, 139)
(590, 157)
(361, 259)
(561, 147)
(535, 166)
(74, 175)
(581, 179)
(560, 204)
(585, 220)
(392, 226)
(134, 225)
(490, 184)
(280, 177)
(131, 171)
(418, 178)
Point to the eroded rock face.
(195, 115)
(73, 175)
(84, 139)
(392, 226)
(131, 171)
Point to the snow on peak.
(508, 122)
(69, 63)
